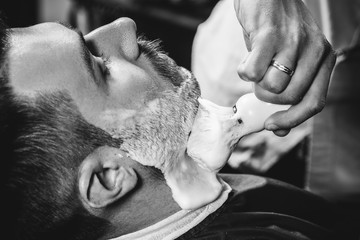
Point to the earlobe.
(104, 179)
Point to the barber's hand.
(283, 30)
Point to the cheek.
(130, 91)
(89, 101)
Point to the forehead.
(40, 51)
(45, 37)
(50, 29)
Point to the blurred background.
(173, 21)
(322, 156)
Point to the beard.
(157, 136)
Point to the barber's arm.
(284, 31)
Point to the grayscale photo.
(180, 119)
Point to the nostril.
(240, 121)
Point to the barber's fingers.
(275, 80)
(314, 56)
(255, 65)
(312, 103)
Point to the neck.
(148, 204)
(192, 187)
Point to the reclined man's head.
(68, 103)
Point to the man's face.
(118, 84)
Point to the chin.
(158, 135)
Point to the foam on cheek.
(213, 135)
(193, 179)
(217, 130)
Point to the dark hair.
(42, 143)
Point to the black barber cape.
(267, 209)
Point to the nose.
(116, 38)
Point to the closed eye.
(88, 58)
(103, 64)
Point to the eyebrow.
(85, 54)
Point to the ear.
(104, 177)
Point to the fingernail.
(282, 133)
(272, 127)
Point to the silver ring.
(282, 68)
